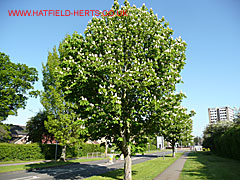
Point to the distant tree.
(214, 130)
(36, 128)
(5, 134)
(120, 73)
(197, 140)
(177, 127)
(237, 116)
(187, 143)
(62, 121)
(16, 83)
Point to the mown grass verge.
(205, 165)
(142, 171)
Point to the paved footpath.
(174, 170)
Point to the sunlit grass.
(142, 171)
(204, 165)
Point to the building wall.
(160, 142)
(220, 114)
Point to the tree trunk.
(173, 150)
(63, 155)
(127, 164)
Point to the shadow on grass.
(210, 166)
(203, 158)
(117, 174)
(76, 170)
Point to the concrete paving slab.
(174, 170)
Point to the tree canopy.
(237, 116)
(177, 126)
(214, 130)
(5, 134)
(36, 128)
(197, 140)
(121, 74)
(62, 121)
(16, 84)
(223, 138)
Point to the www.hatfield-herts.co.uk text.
(67, 13)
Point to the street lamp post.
(56, 151)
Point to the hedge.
(228, 143)
(19, 152)
(43, 151)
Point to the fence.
(96, 155)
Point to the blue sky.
(210, 28)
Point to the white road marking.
(135, 158)
(106, 164)
(26, 178)
(101, 164)
(109, 164)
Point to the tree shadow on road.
(77, 171)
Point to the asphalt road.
(75, 170)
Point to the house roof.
(18, 130)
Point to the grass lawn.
(205, 165)
(86, 160)
(142, 171)
(43, 165)
(155, 151)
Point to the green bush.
(44, 151)
(20, 152)
(226, 143)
